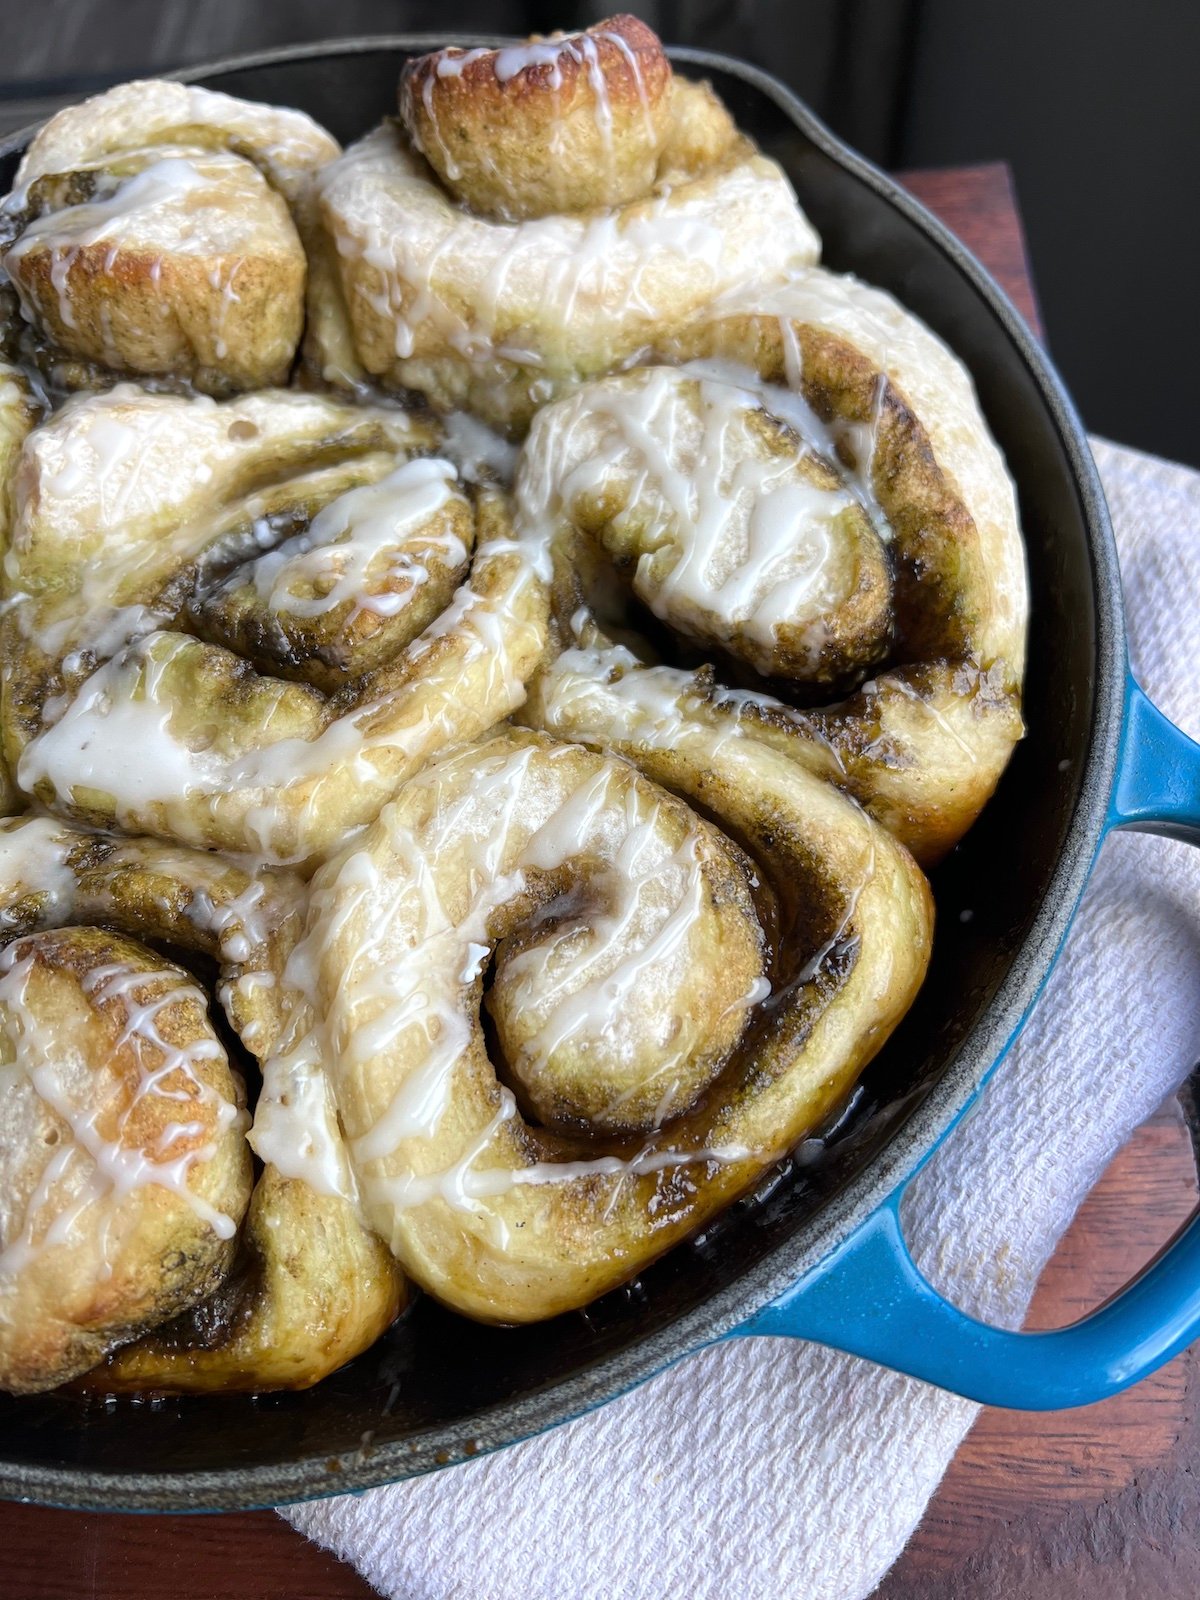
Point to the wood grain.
(1097, 1503)
(980, 206)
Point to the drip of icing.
(755, 545)
(478, 449)
(78, 227)
(34, 858)
(295, 1124)
(635, 67)
(223, 285)
(450, 64)
(378, 525)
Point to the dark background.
(1096, 107)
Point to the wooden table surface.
(1099, 1503)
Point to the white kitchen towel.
(766, 1467)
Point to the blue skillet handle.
(869, 1299)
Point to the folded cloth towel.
(767, 1467)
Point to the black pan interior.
(438, 1387)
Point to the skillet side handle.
(868, 1297)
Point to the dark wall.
(1097, 108)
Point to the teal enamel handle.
(868, 1297)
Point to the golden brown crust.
(567, 123)
(314, 1289)
(124, 1163)
(702, 134)
(500, 318)
(157, 230)
(305, 1286)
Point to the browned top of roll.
(565, 123)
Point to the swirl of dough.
(159, 230)
(570, 265)
(814, 509)
(566, 123)
(124, 1165)
(670, 1011)
(283, 604)
(18, 413)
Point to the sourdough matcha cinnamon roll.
(284, 605)
(565, 123)
(805, 534)
(160, 231)
(670, 1011)
(127, 1218)
(540, 213)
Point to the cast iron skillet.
(817, 1252)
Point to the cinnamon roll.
(817, 513)
(567, 123)
(160, 230)
(283, 603)
(125, 1208)
(542, 213)
(670, 1011)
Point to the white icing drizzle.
(34, 860)
(534, 292)
(371, 547)
(450, 63)
(478, 449)
(464, 1184)
(635, 66)
(75, 228)
(222, 283)
(731, 543)
(241, 924)
(827, 439)
(421, 939)
(295, 1123)
(659, 708)
(48, 1059)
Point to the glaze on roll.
(159, 230)
(814, 508)
(484, 696)
(669, 1015)
(567, 123)
(286, 603)
(542, 213)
